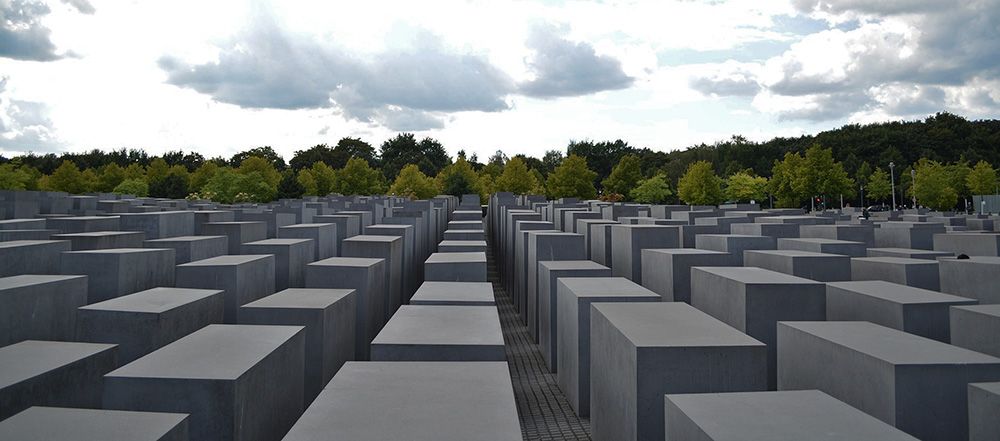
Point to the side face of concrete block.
(120, 271)
(191, 248)
(974, 278)
(454, 293)
(668, 271)
(628, 241)
(31, 256)
(40, 307)
(324, 237)
(984, 406)
(918, 273)
(243, 279)
(290, 259)
(976, 327)
(456, 267)
(367, 278)
(821, 267)
(549, 273)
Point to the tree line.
(949, 157)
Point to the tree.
(624, 176)
(572, 178)
(982, 179)
(135, 171)
(879, 188)
(820, 175)
(348, 148)
(307, 181)
(412, 183)
(654, 190)
(289, 187)
(958, 174)
(404, 149)
(324, 180)
(700, 185)
(228, 186)
(135, 187)
(458, 179)
(111, 175)
(550, 161)
(303, 159)
(600, 156)
(516, 178)
(358, 178)
(783, 177)
(933, 186)
(265, 152)
(157, 170)
(173, 186)
(744, 186)
(14, 178)
(261, 165)
(863, 173)
(202, 175)
(68, 178)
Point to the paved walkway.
(544, 412)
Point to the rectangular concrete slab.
(367, 278)
(900, 369)
(191, 248)
(455, 267)
(116, 272)
(389, 248)
(920, 273)
(68, 424)
(40, 307)
(99, 240)
(324, 236)
(237, 233)
(668, 271)
(31, 256)
(454, 293)
(441, 333)
(827, 246)
(628, 241)
(219, 375)
(734, 244)
(549, 273)
(290, 259)
(909, 253)
(974, 278)
(243, 278)
(430, 401)
(976, 327)
(821, 267)
(984, 409)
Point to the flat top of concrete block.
(735, 236)
(913, 251)
(213, 352)
(430, 401)
(755, 276)
(697, 251)
(115, 251)
(347, 261)
(65, 424)
(176, 239)
(235, 222)
(158, 213)
(29, 243)
(278, 242)
(781, 416)
(307, 226)
(895, 260)
(551, 233)
(98, 234)
(985, 260)
(228, 260)
(467, 243)
(902, 224)
(29, 358)
(301, 298)
(87, 218)
(31, 279)
(155, 300)
(820, 241)
(372, 238)
(597, 221)
(796, 253)
(442, 325)
(467, 291)
(468, 257)
(605, 287)
(897, 293)
(456, 231)
(670, 324)
(890, 345)
(993, 388)
(993, 310)
(562, 265)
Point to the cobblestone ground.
(544, 412)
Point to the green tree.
(783, 177)
(572, 178)
(324, 179)
(412, 183)
(358, 178)
(202, 175)
(135, 171)
(228, 186)
(516, 178)
(307, 181)
(157, 170)
(458, 179)
(262, 166)
(863, 173)
(958, 174)
(624, 176)
(111, 175)
(173, 186)
(700, 185)
(135, 187)
(289, 187)
(820, 175)
(404, 149)
(654, 190)
(265, 152)
(982, 179)
(68, 178)
(933, 187)
(744, 186)
(879, 188)
(14, 178)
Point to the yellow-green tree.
(572, 178)
(262, 166)
(307, 181)
(324, 180)
(784, 174)
(933, 187)
(699, 185)
(135, 187)
(879, 188)
(458, 179)
(744, 186)
(67, 177)
(516, 178)
(358, 178)
(624, 176)
(202, 175)
(14, 178)
(982, 179)
(412, 183)
(654, 190)
(110, 176)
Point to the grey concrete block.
(668, 271)
(462, 246)
(191, 248)
(600, 243)
(544, 319)
(328, 317)
(143, 322)
(237, 233)
(272, 220)
(851, 233)
(441, 333)
(734, 244)
(753, 300)
(290, 259)
(367, 278)
(324, 237)
(454, 293)
(243, 278)
(885, 373)
(520, 262)
(52, 373)
(826, 246)
(574, 297)
(464, 235)
(975, 278)
(914, 310)
(40, 307)
(918, 235)
(211, 216)
(237, 382)
(628, 241)
(908, 253)
(455, 267)
(976, 327)
(690, 233)
(439, 401)
(410, 272)
(793, 219)
(820, 267)
(22, 224)
(465, 225)
(770, 416)
(584, 227)
(11, 235)
(102, 240)
(984, 409)
(641, 351)
(67, 424)
(545, 246)
(31, 256)
(389, 248)
(83, 224)
(920, 273)
(347, 226)
(775, 230)
(160, 224)
(116, 272)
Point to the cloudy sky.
(522, 76)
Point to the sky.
(222, 76)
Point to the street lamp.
(892, 182)
(862, 189)
(913, 188)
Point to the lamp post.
(892, 182)
(913, 188)
(862, 189)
